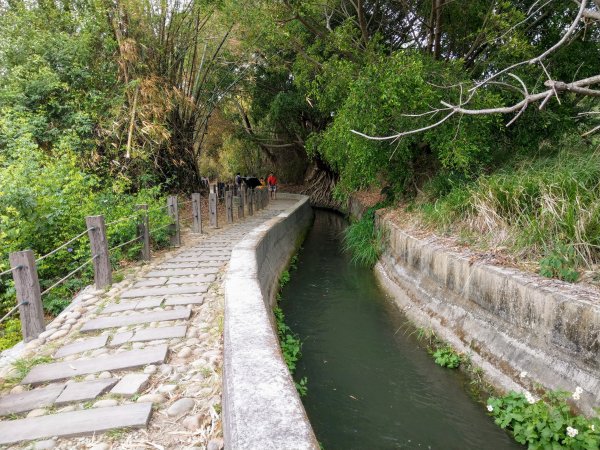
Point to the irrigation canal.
(371, 385)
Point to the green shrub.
(43, 204)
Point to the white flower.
(523, 374)
(530, 398)
(577, 393)
(490, 408)
(578, 390)
(592, 427)
(572, 432)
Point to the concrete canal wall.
(261, 407)
(521, 328)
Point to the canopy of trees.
(104, 99)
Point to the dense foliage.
(382, 67)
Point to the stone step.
(201, 258)
(174, 300)
(134, 304)
(182, 272)
(44, 373)
(148, 334)
(81, 346)
(190, 279)
(84, 390)
(28, 400)
(75, 423)
(102, 323)
(164, 290)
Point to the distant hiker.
(272, 182)
(238, 179)
(262, 182)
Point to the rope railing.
(11, 270)
(162, 228)
(9, 313)
(41, 258)
(123, 219)
(125, 243)
(69, 275)
(24, 264)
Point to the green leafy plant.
(291, 346)
(284, 278)
(560, 263)
(301, 386)
(545, 423)
(446, 356)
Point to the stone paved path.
(136, 367)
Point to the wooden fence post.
(250, 202)
(144, 231)
(99, 248)
(229, 204)
(212, 209)
(196, 214)
(29, 298)
(242, 195)
(174, 214)
(257, 193)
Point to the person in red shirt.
(272, 182)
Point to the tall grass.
(363, 241)
(531, 207)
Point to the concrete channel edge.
(261, 407)
(520, 328)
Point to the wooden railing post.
(99, 248)
(212, 209)
(174, 214)
(144, 231)
(29, 298)
(229, 204)
(196, 214)
(250, 202)
(242, 195)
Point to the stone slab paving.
(191, 279)
(144, 292)
(133, 304)
(28, 400)
(183, 272)
(130, 384)
(84, 390)
(81, 346)
(126, 360)
(173, 300)
(159, 346)
(75, 423)
(148, 334)
(102, 323)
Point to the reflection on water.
(370, 386)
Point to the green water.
(370, 386)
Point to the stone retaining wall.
(261, 407)
(510, 322)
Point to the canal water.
(370, 385)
